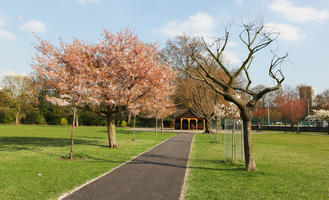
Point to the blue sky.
(304, 27)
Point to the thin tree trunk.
(133, 139)
(72, 132)
(162, 126)
(248, 147)
(217, 131)
(242, 149)
(156, 126)
(76, 120)
(233, 142)
(111, 132)
(129, 118)
(235, 146)
(17, 114)
(225, 124)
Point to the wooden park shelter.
(188, 120)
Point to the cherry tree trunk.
(111, 132)
(76, 120)
(72, 132)
(162, 126)
(133, 138)
(156, 126)
(248, 148)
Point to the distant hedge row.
(85, 119)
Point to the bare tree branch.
(217, 58)
(208, 74)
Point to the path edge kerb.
(184, 187)
(106, 173)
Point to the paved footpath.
(156, 174)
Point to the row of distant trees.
(282, 106)
(21, 101)
(25, 104)
(285, 105)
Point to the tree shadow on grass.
(118, 131)
(84, 157)
(93, 137)
(177, 162)
(139, 161)
(125, 131)
(90, 158)
(30, 143)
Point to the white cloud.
(84, 2)
(34, 26)
(231, 57)
(238, 1)
(298, 14)
(7, 35)
(231, 44)
(3, 19)
(287, 32)
(197, 25)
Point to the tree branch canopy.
(203, 59)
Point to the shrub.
(91, 119)
(34, 117)
(123, 123)
(64, 121)
(6, 117)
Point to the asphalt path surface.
(156, 174)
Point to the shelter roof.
(185, 113)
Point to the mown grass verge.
(289, 167)
(34, 163)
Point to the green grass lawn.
(32, 167)
(289, 166)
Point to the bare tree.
(255, 37)
(197, 97)
(192, 94)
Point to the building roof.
(185, 113)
